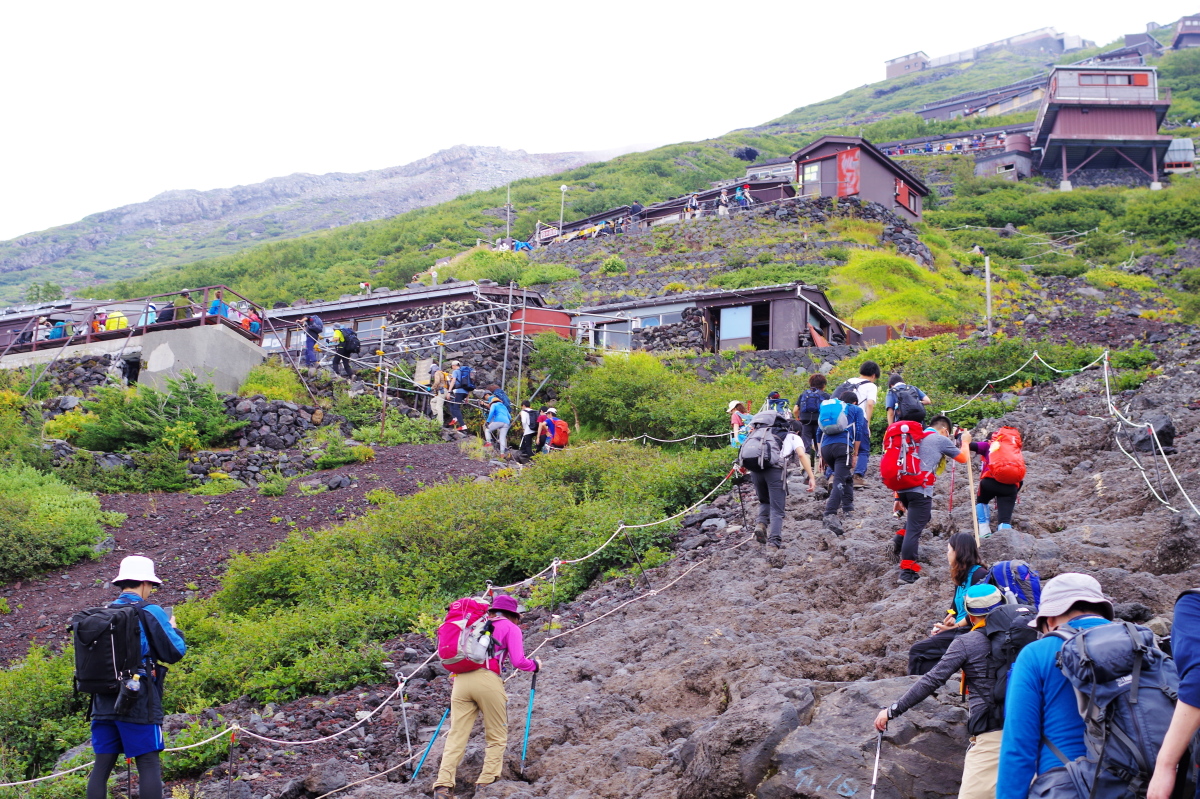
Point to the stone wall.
(1105, 177)
(275, 424)
(688, 334)
(250, 466)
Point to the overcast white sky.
(111, 103)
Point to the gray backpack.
(1126, 688)
(763, 447)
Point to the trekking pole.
(404, 714)
(971, 489)
(875, 775)
(636, 556)
(528, 719)
(436, 732)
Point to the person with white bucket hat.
(129, 719)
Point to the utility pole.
(562, 207)
(508, 217)
(987, 278)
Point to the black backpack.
(810, 405)
(350, 341)
(108, 647)
(1008, 632)
(1126, 688)
(908, 404)
(848, 386)
(315, 327)
(466, 380)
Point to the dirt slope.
(758, 673)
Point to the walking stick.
(875, 776)
(436, 732)
(971, 498)
(528, 719)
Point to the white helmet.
(138, 568)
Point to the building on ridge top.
(905, 64)
(850, 166)
(1187, 33)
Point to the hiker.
(866, 394)
(345, 344)
(738, 419)
(253, 322)
(1000, 478)
(777, 403)
(58, 331)
(723, 203)
(936, 443)
(970, 653)
(482, 690)
(966, 569)
(183, 306)
(553, 431)
(498, 422)
(219, 307)
(1041, 710)
(635, 214)
(441, 390)
(841, 421)
(314, 328)
(496, 391)
(905, 402)
(808, 407)
(739, 195)
(1185, 721)
(692, 206)
(528, 428)
(764, 456)
(115, 320)
(137, 731)
(461, 383)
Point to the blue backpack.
(810, 405)
(833, 418)
(1018, 581)
(466, 380)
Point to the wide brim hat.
(506, 603)
(732, 404)
(1063, 591)
(137, 568)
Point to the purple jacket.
(510, 643)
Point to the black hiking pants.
(772, 499)
(924, 654)
(149, 769)
(809, 435)
(841, 494)
(340, 359)
(1004, 494)
(918, 511)
(527, 444)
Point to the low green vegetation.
(774, 274)
(877, 288)
(274, 380)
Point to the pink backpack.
(464, 639)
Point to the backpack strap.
(1057, 752)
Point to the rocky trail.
(191, 537)
(759, 671)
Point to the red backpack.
(1006, 464)
(900, 465)
(561, 434)
(464, 639)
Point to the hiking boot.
(860, 481)
(833, 525)
(775, 544)
(985, 530)
(1004, 527)
(760, 533)
(442, 792)
(908, 576)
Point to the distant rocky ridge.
(188, 225)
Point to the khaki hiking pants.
(481, 690)
(981, 767)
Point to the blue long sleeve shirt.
(1185, 644)
(165, 634)
(1040, 702)
(498, 413)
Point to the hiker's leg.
(462, 718)
(981, 767)
(1004, 494)
(97, 785)
(920, 510)
(842, 473)
(807, 432)
(436, 407)
(777, 497)
(494, 704)
(503, 438)
(149, 769)
(924, 654)
(527, 445)
(834, 456)
(864, 457)
(763, 492)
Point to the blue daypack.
(833, 418)
(810, 405)
(1018, 581)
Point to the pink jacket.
(509, 643)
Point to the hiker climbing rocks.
(495, 390)
(440, 388)
(481, 690)
(764, 455)
(933, 445)
(970, 653)
(345, 344)
(808, 408)
(1001, 477)
(126, 678)
(1185, 721)
(841, 422)
(866, 394)
(553, 431)
(966, 569)
(314, 328)
(905, 402)
(1042, 717)
(462, 382)
(528, 428)
(498, 422)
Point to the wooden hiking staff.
(971, 497)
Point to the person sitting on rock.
(969, 653)
(966, 569)
(482, 690)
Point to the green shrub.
(176, 765)
(1069, 268)
(773, 275)
(557, 357)
(840, 254)
(400, 429)
(40, 714)
(537, 274)
(274, 486)
(613, 265)
(219, 484)
(157, 470)
(361, 410)
(1110, 278)
(274, 380)
(44, 523)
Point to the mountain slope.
(183, 226)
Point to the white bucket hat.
(1060, 593)
(136, 567)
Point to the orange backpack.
(1006, 464)
(561, 434)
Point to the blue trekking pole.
(528, 719)
(431, 741)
